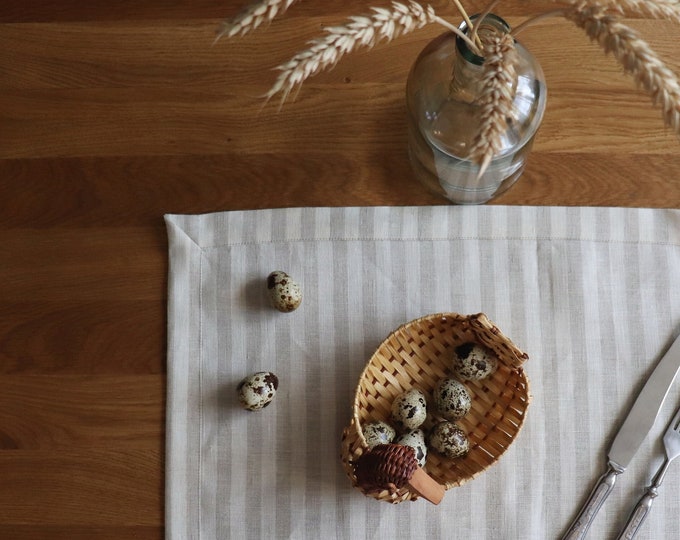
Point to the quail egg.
(473, 362)
(257, 390)
(448, 439)
(378, 432)
(416, 440)
(284, 292)
(452, 399)
(409, 409)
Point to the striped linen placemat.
(591, 294)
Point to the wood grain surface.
(115, 113)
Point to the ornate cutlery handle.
(644, 505)
(579, 527)
(638, 515)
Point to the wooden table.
(115, 113)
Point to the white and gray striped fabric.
(591, 294)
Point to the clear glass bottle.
(441, 93)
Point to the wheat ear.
(655, 9)
(252, 17)
(635, 55)
(499, 74)
(361, 31)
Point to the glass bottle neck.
(466, 80)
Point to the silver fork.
(671, 442)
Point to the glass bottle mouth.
(491, 20)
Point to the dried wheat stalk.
(634, 54)
(362, 31)
(655, 9)
(252, 17)
(496, 99)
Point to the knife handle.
(579, 527)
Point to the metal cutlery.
(638, 423)
(671, 442)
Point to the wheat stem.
(252, 17)
(468, 21)
(536, 19)
(462, 35)
(480, 19)
(635, 55)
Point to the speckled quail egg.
(451, 399)
(448, 439)
(284, 292)
(378, 432)
(409, 409)
(416, 440)
(257, 391)
(473, 362)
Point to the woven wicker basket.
(420, 353)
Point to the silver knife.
(638, 423)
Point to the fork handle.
(638, 515)
(579, 527)
(644, 505)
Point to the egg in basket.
(415, 359)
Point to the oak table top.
(113, 114)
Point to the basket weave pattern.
(419, 354)
(384, 465)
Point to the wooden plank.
(61, 412)
(81, 532)
(88, 265)
(96, 123)
(81, 338)
(82, 486)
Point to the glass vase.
(443, 117)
